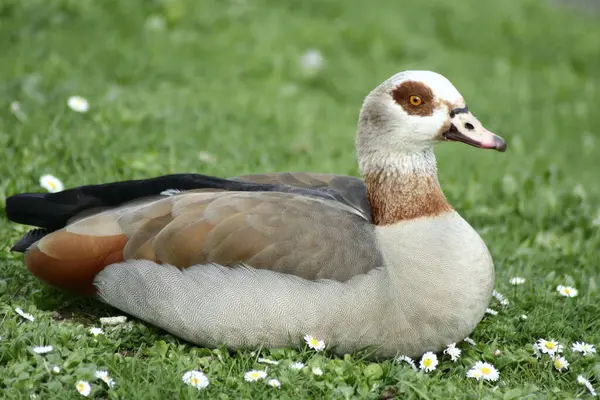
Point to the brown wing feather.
(304, 236)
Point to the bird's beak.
(464, 127)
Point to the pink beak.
(467, 129)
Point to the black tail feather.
(28, 239)
(51, 211)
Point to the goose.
(383, 263)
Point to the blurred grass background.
(171, 80)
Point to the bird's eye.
(415, 100)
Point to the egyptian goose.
(383, 263)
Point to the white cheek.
(426, 128)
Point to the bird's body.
(383, 263)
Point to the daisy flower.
(196, 379)
(566, 291)
(314, 343)
(103, 376)
(500, 297)
(268, 361)
(317, 371)
(583, 381)
(490, 311)
(483, 370)
(207, 157)
(560, 363)
(56, 369)
(15, 109)
(517, 280)
(469, 340)
(255, 375)
(453, 352)
(113, 320)
(274, 383)
(550, 347)
(312, 60)
(497, 352)
(51, 183)
(23, 314)
(297, 365)
(407, 360)
(96, 331)
(428, 362)
(43, 349)
(84, 388)
(78, 103)
(583, 348)
(523, 316)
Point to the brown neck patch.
(403, 197)
(402, 95)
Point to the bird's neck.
(402, 186)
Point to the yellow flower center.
(52, 184)
(486, 370)
(550, 345)
(80, 387)
(427, 362)
(314, 342)
(567, 291)
(194, 381)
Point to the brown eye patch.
(406, 94)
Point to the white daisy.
(517, 280)
(43, 349)
(78, 103)
(103, 376)
(490, 311)
(207, 157)
(428, 362)
(268, 361)
(113, 320)
(23, 314)
(500, 297)
(483, 370)
(550, 347)
(297, 365)
(523, 316)
(497, 352)
(317, 371)
(583, 348)
(84, 388)
(583, 381)
(469, 340)
(567, 291)
(96, 331)
(453, 352)
(195, 378)
(274, 383)
(255, 375)
(56, 369)
(312, 60)
(314, 343)
(560, 363)
(407, 360)
(15, 109)
(51, 183)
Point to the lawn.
(218, 87)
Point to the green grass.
(223, 77)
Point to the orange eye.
(415, 100)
